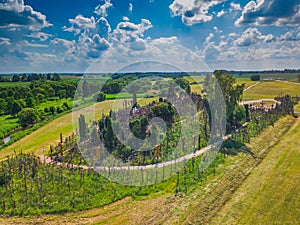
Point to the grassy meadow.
(271, 194)
(271, 89)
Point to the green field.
(271, 89)
(55, 103)
(197, 88)
(288, 76)
(9, 123)
(245, 81)
(125, 95)
(11, 84)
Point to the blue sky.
(106, 35)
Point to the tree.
(40, 98)
(30, 102)
(3, 105)
(255, 77)
(109, 135)
(163, 110)
(62, 94)
(94, 137)
(101, 97)
(55, 77)
(16, 78)
(52, 110)
(66, 106)
(28, 116)
(86, 91)
(239, 114)
(184, 84)
(83, 130)
(232, 93)
(15, 108)
(112, 87)
(24, 78)
(134, 101)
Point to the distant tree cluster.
(31, 77)
(114, 86)
(255, 77)
(22, 101)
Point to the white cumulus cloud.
(271, 12)
(252, 36)
(15, 14)
(193, 11)
(102, 9)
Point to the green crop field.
(271, 90)
(287, 76)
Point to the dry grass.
(271, 194)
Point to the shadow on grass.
(233, 148)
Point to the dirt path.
(253, 85)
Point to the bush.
(46, 110)
(59, 109)
(255, 77)
(66, 106)
(101, 97)
(28, 116)
(52, 110)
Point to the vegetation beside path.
(198, 206)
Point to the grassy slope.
(49, 134)
(198, 87)
(271, 90)
(245, 81)
(200, 205)
(271, 194)
(205, 202)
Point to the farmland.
(167, 208)
(190, 189)
(271, 89)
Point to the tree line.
(31, 77)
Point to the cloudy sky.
(69, 36)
